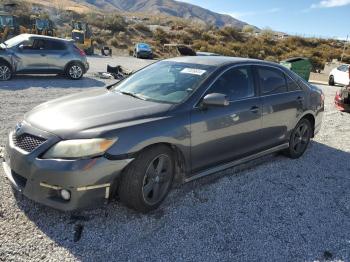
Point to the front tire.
(75, 71)
(147, 181)
(331, 81)
(5, 72)
(299, 139)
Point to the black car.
(186, 117)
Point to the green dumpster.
(300, 65)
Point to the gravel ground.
(272, 209)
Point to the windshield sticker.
(193, 71)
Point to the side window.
(343, 68)
(272, 81)
(292, 85)
(54, 45)
(236, 83)
(38, 44)
(28, 44)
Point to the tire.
(142, 179)
(331, 81)
(75, 71)
(299, 139)
(5, 72)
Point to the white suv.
(340, 75)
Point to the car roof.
(46, 37)
(217, 60)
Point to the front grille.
(27, 142)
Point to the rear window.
(54, 45)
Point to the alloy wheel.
(5, 72)
(301, 138)
(75, 72)
(157, 179)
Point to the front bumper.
(89, 180)
(87, 66)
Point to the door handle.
(43, 55)
(254, 109)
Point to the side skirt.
(236, 162)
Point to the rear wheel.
(331, 81)
(299, 139)
(75, 71)
(147, 182)
(5, 72)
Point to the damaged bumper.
(88, 181)
(342, 99)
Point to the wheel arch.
(74, 62)
(181, 165)
(312, 119)
(2, 60)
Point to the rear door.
(283, 101)
(344, 75)
(56, 54)
(219, 134)
(341, 75)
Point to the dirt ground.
(271, 209)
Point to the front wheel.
(75, 71)
(5, 72)
(300, 139)
(147, 181)
(331, 81)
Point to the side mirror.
(21, 47)
(215, 99)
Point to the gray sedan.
(36, 54)
(182, 118)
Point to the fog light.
(65, 194)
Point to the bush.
(161, 36)
(115, 23)
(142, 28)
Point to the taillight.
(323, 97)
(81, 52)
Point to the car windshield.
(165, 81)
(14, 41)
(144, 46)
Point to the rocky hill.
(165, 7)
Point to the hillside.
(155, 7)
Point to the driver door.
(223, 133)
(31, 56)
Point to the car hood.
(91, 110)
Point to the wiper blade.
(132, 95)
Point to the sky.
(320, 18)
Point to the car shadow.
(270, 209)
(20, 82)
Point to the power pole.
(346, 42)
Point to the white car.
(340, 75)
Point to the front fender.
(173, 130)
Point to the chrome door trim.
(236, 162)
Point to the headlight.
(79, 148)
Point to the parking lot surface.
(271, 209)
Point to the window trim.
(262, 94)
(256, 89)
(258, 93)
